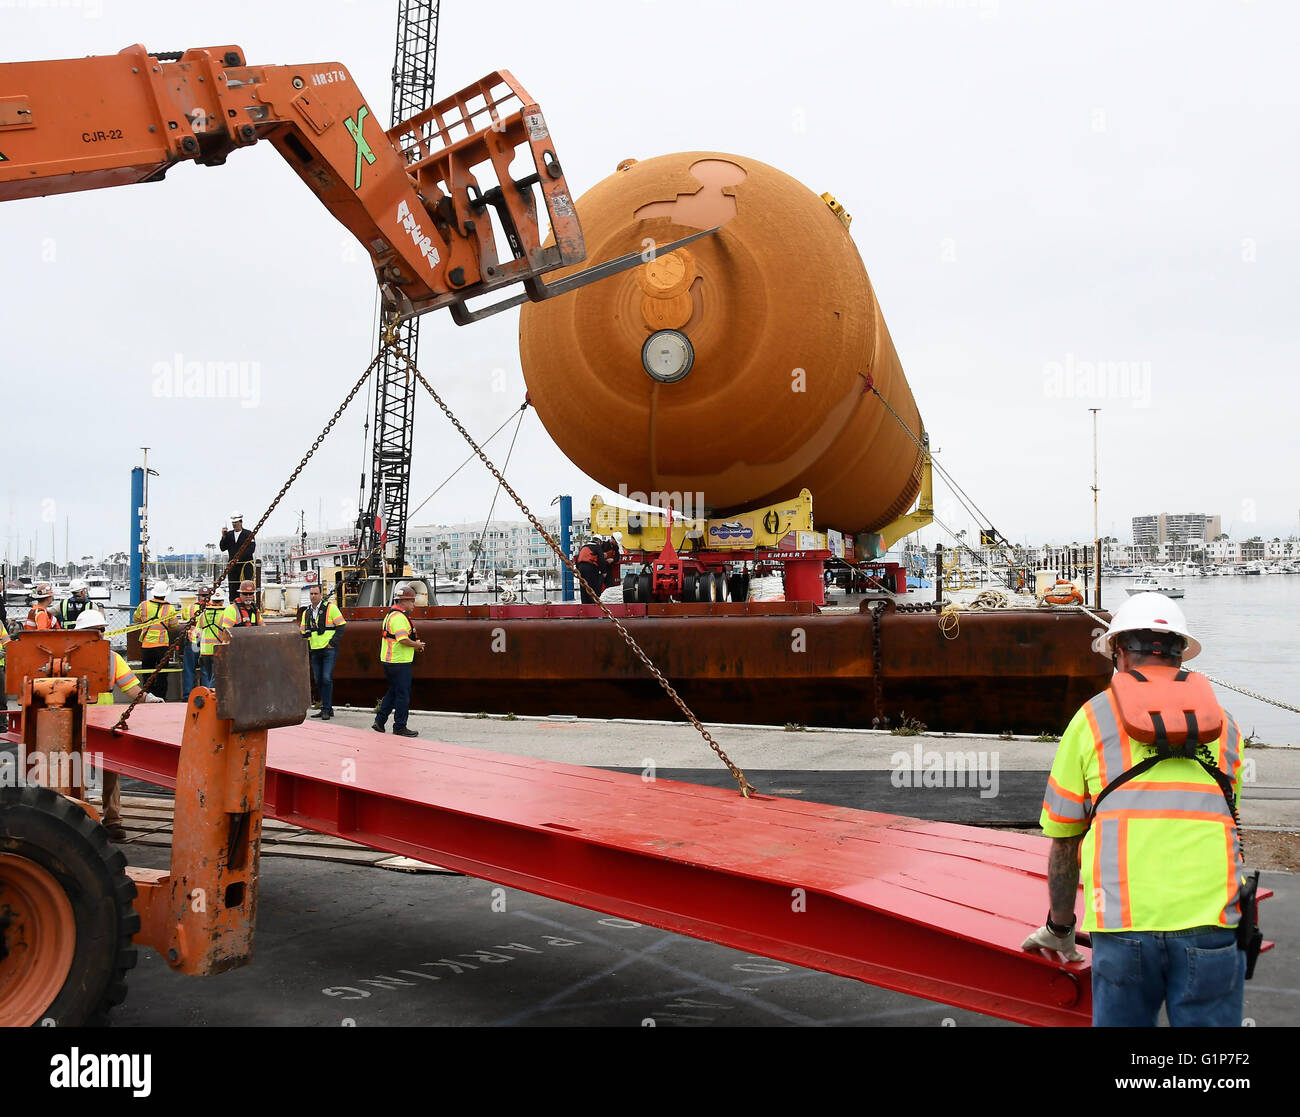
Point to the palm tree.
(443, 547)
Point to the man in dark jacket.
(593, 568)
(233, 539)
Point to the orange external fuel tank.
(736, 367)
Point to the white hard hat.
(236, 516)
(1148, 612)
(91, 618)
(77, 585)
(218, 594)
(159, 589)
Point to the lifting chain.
(235, 558)
(1252, 694)
(746, 789)
(879, 721)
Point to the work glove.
(153, 698)
(1045, 940)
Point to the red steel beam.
(929, 909)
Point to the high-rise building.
(1148, 531)
(1167, 527)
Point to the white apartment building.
(506, 545)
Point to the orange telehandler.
(433, 202)
(413, 195)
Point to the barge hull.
(1008, 671)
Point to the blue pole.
(566, 528)
(137, 530)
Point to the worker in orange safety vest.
(42, 615)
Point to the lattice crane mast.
(382, 525)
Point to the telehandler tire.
(66, 913)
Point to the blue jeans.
(1199, 974)
(207, 670)
(322, 674)
(397, 699)
(189, 660)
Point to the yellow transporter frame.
(762, 529)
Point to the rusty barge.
(770, 663)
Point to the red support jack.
(803, 580)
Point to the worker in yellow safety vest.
(124, 680)
(322, 626)
(154, 615)
(208, 625)
(397, 647)
(189, 613)
(1143, 798)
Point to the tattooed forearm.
(1063, 877)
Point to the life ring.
(1070, 595)
(310, 576)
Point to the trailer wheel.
(643, 589)
(66, 913)
(739, 587)
(629, 589)
(690, 586)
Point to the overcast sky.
(1036, 188)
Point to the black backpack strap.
(1120, 780)
(1221, 778)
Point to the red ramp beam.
(929, 909)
